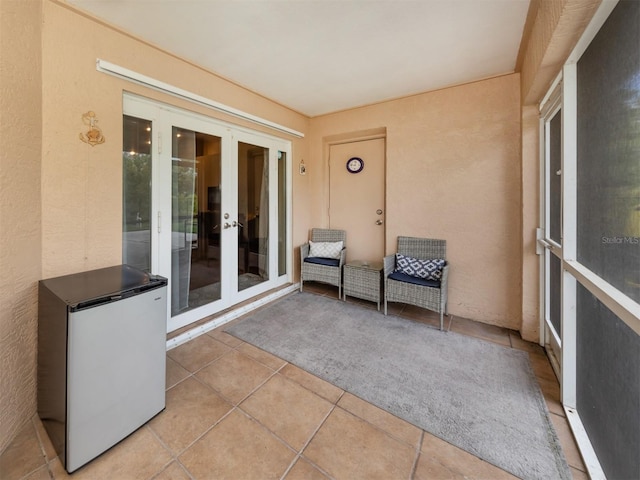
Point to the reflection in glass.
(195, 220)
(282, 213)
(253, 215)
(136, 192)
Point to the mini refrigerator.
(101, 358)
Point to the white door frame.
(163, 117)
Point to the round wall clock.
(355, 165)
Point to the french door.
(205, 204)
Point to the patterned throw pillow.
(325, 249)
(427, 269)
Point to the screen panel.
(608, 386)
(608, 89)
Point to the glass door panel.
(195, 220)
(136, 192)
(253, 215)
(282, 213)
(206, 205)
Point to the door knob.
(378, 222)
(237, 224)
(227, 225)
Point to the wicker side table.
(363, 280)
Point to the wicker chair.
(426, 294)
(322, 269)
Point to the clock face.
(355, 165)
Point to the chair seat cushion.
(403, 277)
(330, 262)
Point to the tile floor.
(234, 411)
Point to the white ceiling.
(321, 56)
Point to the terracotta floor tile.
(518, 343)
(542, 367)
(439, 459)
(422, 315)
(261, 356)
(174, 471)
(393, 308)
(175, 373)
(289, 410)
(311, 382)
(547, 381)
(352, 440)
(320, 289)
(551, 392)
(24, 455)
(198, 352)
(47, 447)
(364, 303)
(192, 408)
(235, 375)
(237, 448)
(140, 455)
(303, 470)
(394, 426)
(579, 474)
(485, 332)
(347, 447)
(41, 474)
(222, 336)
(569, 447)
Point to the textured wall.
(556, 29)
(82, 185)
(530, 329)
(453, 172)
(20, 151)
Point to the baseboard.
(229, 316)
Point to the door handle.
(378, 222)
(237, 224)
(227, 225)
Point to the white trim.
(598, 19)
(135, 77)
(587, 452)
(569, 163)
(621, 305)
(553, 99)
(227, 317)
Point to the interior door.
(357, 198)
(205, 205)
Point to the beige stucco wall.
(557, 27)
(62, 198)
(453, 172)
(82, 184)
(20, 217)
(530, 328)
